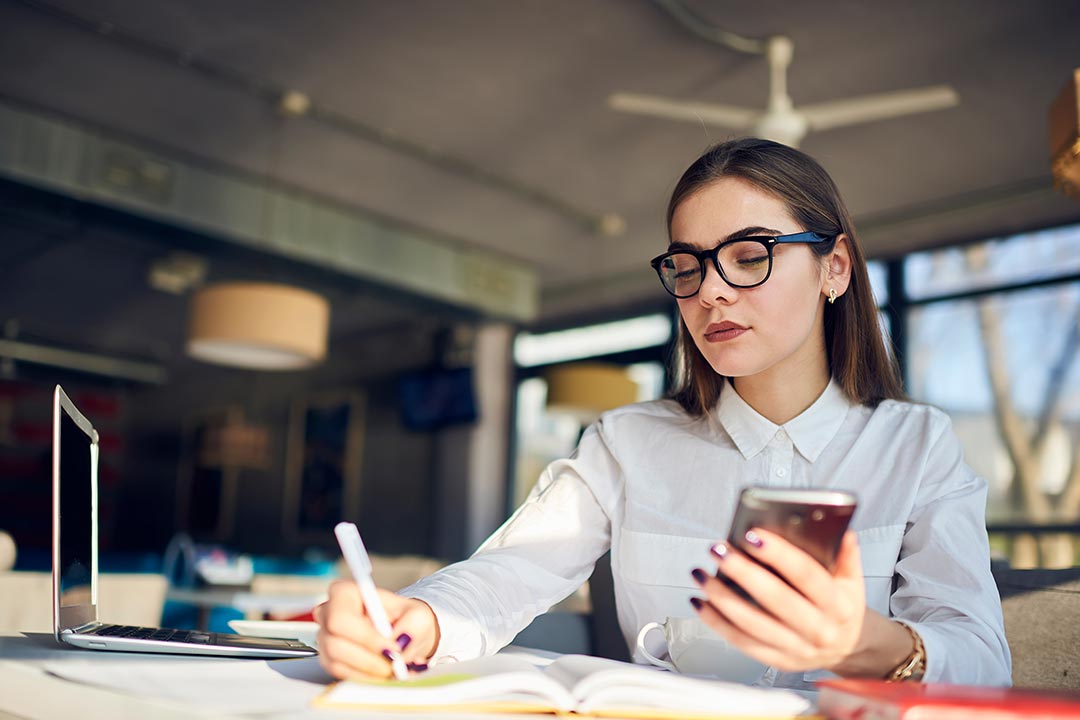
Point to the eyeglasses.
(742, 263)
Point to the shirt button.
(781, 472)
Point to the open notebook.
(75, 561)
(572, 684)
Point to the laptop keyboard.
(145, 633)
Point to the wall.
(395, 475)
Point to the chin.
(731, 367)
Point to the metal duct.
(87, 164)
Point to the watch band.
(913, 667)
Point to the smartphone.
(813, 520)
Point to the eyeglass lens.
(742, 263)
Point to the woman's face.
(775, 328)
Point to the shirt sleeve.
(945, 589)
(544, 552)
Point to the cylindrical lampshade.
(585, 390)
(261, 326)
(1065, 136)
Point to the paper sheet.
(203, 685)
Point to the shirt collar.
(810, 431)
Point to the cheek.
(793, 315)
(689, 311)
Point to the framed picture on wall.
(322, 483)
(206, 497)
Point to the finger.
(824, 604)
(752, 621)
(416, 633)
(771, 592)
(849, 560)
(782, 605)
(343, 658)
(748, 644)
(344, 616)
(402, 631)
(797, 567)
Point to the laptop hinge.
(80, 629)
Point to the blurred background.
(448, 211)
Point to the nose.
(714, 289)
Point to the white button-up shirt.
(658, 487)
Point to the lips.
(722, 331)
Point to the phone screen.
(813, 520)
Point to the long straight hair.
(858, 357)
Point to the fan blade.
(728, 116)
(866, 108)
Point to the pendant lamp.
(259, 326)
(585, 390)
(1065, 137)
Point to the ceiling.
(484, 123)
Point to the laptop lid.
(75, 560)
(75, 516)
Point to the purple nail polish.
(720, 550)
(697, 602)
(403, 640)
(753, 539)
(417, 667)
(386, 654)
(699, 575)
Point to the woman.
(784, 380)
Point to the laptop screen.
(74, 501)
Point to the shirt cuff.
(933, 649)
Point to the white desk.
(30, 687)
(41, 679)
(29, 690)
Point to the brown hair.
(857, 354)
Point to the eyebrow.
(753, 231)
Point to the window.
(592, 341)
(1023, 258)
(993, 338)
(541, 436)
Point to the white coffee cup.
(696, 649)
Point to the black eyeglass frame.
(769, 243)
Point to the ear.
(838, 268)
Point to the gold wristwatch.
(913, 667)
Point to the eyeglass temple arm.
(802, 237)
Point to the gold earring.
(832, 295)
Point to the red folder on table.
(879, 700)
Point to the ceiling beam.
(121, 368)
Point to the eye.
(753, 261)
(683, 265)
(747, 254)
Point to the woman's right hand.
(349, 645)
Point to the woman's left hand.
(813, 623)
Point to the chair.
(130, 598)
(606, 638)
(1042, 625)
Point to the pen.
(352, 547)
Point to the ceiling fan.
(781, 120)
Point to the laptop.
(75, 561)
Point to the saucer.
(303, 631)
